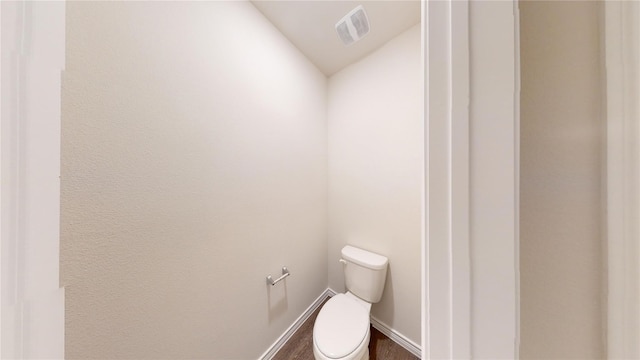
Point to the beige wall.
(194, 164)
(375, 156)
(560, 235)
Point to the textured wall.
(193, 165)
(375, 156)
(560, 209)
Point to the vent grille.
(353, 26)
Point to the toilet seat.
(341, 327)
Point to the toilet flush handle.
(342, 261)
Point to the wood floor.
(300, 346)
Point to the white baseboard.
(273, 349)
(395, 336)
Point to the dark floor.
(300, 346)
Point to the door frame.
(622, 58)
(446, 261)
(32, 302)
(462, 316)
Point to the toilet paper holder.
(285, 273)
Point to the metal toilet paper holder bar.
(285, 273)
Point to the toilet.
(341, 330)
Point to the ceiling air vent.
(353, 26)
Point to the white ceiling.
(310, 26)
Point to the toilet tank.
(364, 273)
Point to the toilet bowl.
(341, 330)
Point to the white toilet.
(341, 330)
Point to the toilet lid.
(340, 327)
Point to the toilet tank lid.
(364, 258)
